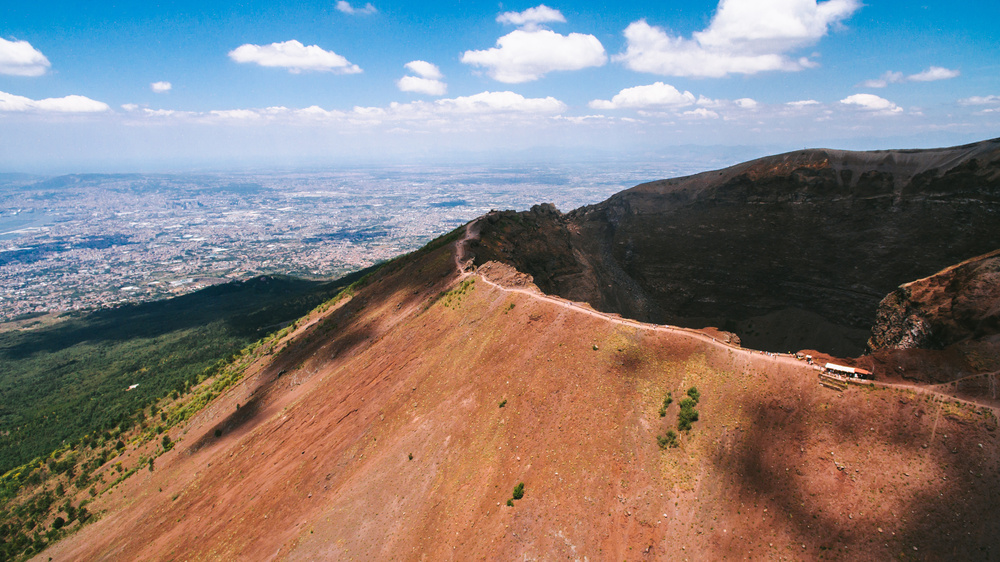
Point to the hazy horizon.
(137, 87)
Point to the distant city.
(98, 240)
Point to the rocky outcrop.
(955, 305)
(792, 251)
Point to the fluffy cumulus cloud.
(532, 16)
(653, 95)
(873, 103)
(160, 87)
(524, 55)
(930, 75)
(345, 7)
(294, 56)
(422, 85)
(427, 79)
(19, 58)
(424, 69)
(68, 104)
(744, 37)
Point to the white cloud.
(532, 16)
(746, 103)
(500, 107)
(19, 58)
(294, 56)
(802, 103)
(702, 113)
(889, 77)
(428, 79)
(582, 119)
(424, 69)
(68, 104)
(744, 37)
(933, 73)
(500, 102)
(980, 100)
(422, 85)
(526, 55)
(167, 113)
(653, 95)
(872, 102)
(160, 87)
(345, 7)
(237, 114)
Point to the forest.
(70, 379)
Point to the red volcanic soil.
(407, 414)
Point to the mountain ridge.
(765, 243)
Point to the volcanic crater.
(789, 252)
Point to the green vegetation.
(453, 298)
(503, 403)
(688, 415)
(92, 459)
(667, 400)
(68, 380)
(518, 494)
(668, 440)
(694, 394)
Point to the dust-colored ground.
(406, 415)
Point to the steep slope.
(944, 330)
(790, 251)
(396, 425)
(957, 304)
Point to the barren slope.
(316, 463)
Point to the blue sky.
(133, 85)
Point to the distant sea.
(12, 225)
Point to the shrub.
(687, 415)
(58, 523)
(668, 440)
(519, 491)
(218, 433)
(694, 394)
(667, 400)
(503, 403)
